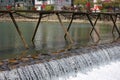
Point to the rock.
(29, 56)
(5, 60)
(4, 67)
(55, 53)
(1, 63)
(61, 51)
(24, 59)
(35, 57)
(13, 61)
(14, 66)
(45, 54)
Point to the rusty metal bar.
(115, 23)
(98, 16)
(65, 30)
(69, 25)
(18, 30)
(115, 26)
(93, 25)
(39, 20)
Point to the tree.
(99, 1)
(83, 2)
(116, 4)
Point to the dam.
(51, 58)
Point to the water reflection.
(50, 37)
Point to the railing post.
(18, 30)
(98, 16)
(69, 25)
(65, 30)
(115, 26)
(93, 25)
(36, 28)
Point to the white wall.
(95, 1)
(51, 1)
(48, 2)
(61, 3)
(38, 2)
(58, 3)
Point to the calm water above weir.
(49, 37)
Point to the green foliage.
(83, 2)
(20, 8)
(49, 7)
(104, 10)
(106, 4)
(110, 4)
(99, 1)
(116, 4)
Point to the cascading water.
(62, 69)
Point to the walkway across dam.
(113, 17)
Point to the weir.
(77, 60)
(82, 60)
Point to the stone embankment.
(51, 18)
(69, 51)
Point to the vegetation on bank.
(81, 5)
(111, 5)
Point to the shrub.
(49, 7)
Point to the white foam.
(107, 72)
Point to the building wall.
(61, 3)
(6, 2)
(39, 3)
(12, 2)
(57, 3)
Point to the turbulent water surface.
(96, 62)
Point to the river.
(50, 38)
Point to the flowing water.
(77, 67)
(84, 64)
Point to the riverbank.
(53, 18)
